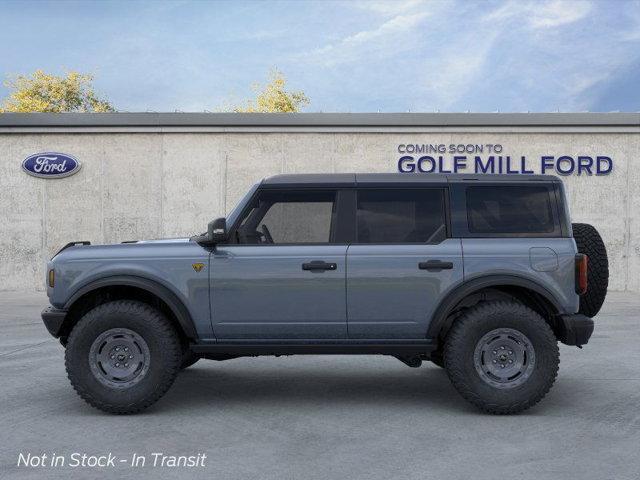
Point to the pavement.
(325, 417)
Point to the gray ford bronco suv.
(481, 275)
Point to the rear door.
(401, 263)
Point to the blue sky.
(348, 56)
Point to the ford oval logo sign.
(51, 165)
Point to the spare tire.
(589, 242)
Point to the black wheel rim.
(504, 358)
(119, 358)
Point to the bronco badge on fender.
(198, 266)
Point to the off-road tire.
(165, 356)
(188, 359)
(590, 243)
(467, 332)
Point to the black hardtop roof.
(354, 179)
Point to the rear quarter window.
(525, 210)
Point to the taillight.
(581, 273)
(52, 277)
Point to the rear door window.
(510, 209)
(401, 216)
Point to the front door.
(401, 263)
(282, 276)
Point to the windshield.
(235, 213)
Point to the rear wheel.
(122, 356)
(501, 357)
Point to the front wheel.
(502, 357)
(122, 356)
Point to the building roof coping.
(147, 119)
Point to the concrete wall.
(150, 185)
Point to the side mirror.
(217, 230)
(216, 233)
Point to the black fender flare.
(176, 306)
(467, 288)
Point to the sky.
(347, 56)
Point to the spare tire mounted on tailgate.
(590, 243)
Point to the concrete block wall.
(167, 184)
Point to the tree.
(274, 98)
(42, 92)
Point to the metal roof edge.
(365, 178)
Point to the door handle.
(435, 265)
(319, 265)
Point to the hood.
(84, 249)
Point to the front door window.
(289, 217)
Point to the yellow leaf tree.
(42, 92)
(273, 97)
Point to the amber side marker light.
(52, 277)
(582, 262)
